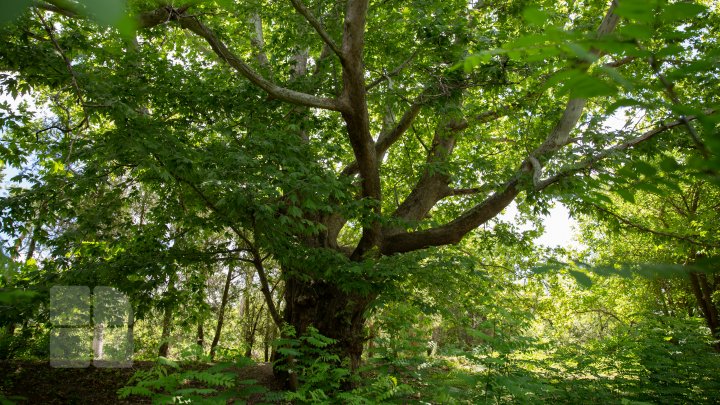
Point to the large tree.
(343, 140)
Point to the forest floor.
(36, 382)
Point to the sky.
(559, 226)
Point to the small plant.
(167, 383)
(322, 374)
(309, 359)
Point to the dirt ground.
(36, 382)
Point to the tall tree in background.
(344, 140)
(666, 222)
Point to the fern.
(322, 375)
(167, 383)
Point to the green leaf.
(535, 16)
(582, 85)
(650, 187)
(681, 11)
(106, 12)
(638, 10)
(669, 164)
(645, 168)
(626, 195)
(10, 10)
(581, 52)
(167, 362)
(636, 31)
(582, 278)
(294, 211)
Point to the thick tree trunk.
(334, 313)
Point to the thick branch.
(465, 191)
(300, 7)
(433, 184)
(386, 139)
(559, 136)
(455, 230)
(193, 24)
(258, 40)
(587, 163)
(357, 119)
(55, 9)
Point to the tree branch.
(433, 184)
(386, 139)
(357, 119)
(607, 152)
(300, 7)
(643, 228)
(560, 134)
(465, 191)
(672, 95)
(265, 288)
(388, 75)
(455, 230)
(194, 25)
(55, 9)
(258, 40)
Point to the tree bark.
(200, 334)
(269, 337)
(99, 342)
(333, 312)
(165, 336)
(701, 290)
(221, 313)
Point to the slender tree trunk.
(31, 248)
(200, 334)
(661, 297)
(7, 342)
(130, 338)
(247, 315)
(165, 336)
(269, 337)
(99, 342)
(701, 290)
(713, 319)
(221, 313)
(372, 331)
(250, 342)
